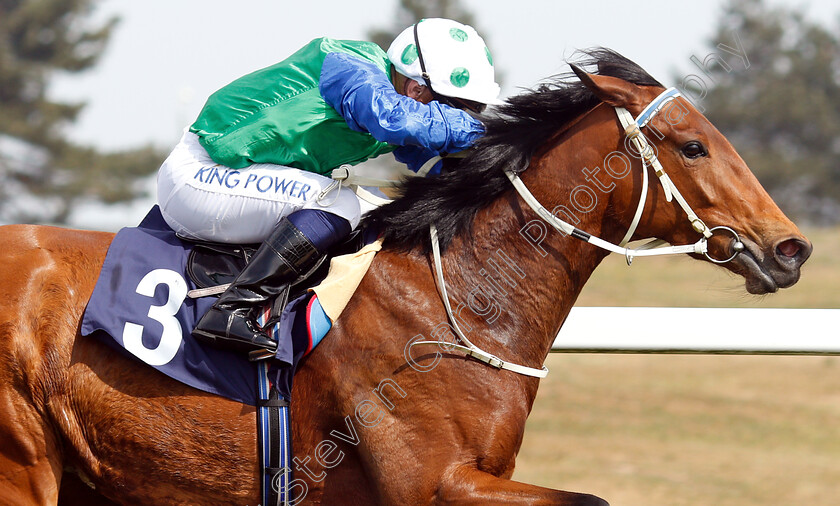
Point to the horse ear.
(611, 90)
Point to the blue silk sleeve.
(363, 95)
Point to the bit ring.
(738, 246)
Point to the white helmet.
(448, 57)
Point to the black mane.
(513, 134)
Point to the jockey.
(252, 166)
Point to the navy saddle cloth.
(140, 307)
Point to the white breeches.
(201, 199)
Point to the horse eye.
(693, 150)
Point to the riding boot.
(231, 322)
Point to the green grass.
(675, 430)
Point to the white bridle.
(632, 129)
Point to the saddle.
(212, 266)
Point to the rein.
(632, 129)
(470, 349)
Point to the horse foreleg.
(471, 486)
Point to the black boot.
(280, 260)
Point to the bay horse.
(376, 421)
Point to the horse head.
(608, 157)
(715, 182)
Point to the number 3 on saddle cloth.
(140, 306)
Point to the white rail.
(700, 330)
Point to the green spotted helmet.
(448, 57)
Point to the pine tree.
(44, 174)
(783, 113)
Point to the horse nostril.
(789, 248)
(793, 249)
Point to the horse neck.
(518, 288)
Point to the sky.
(166, 58)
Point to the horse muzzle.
(768, 269)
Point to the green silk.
(277, 115)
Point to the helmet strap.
(424, 74)
(450, 101)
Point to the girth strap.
(275, 441)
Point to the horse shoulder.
(361, 380)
